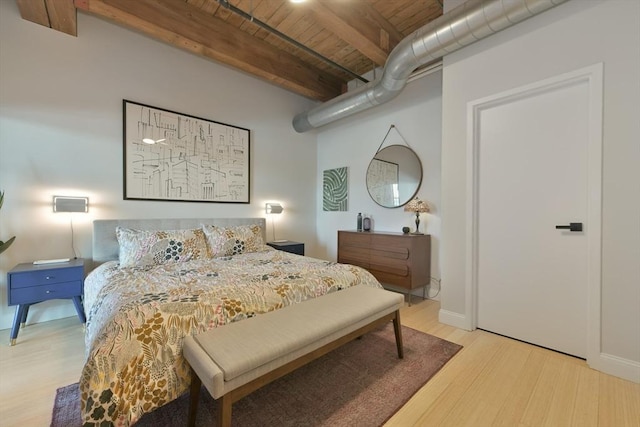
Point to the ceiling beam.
(57, 14)
(187, 27)
(361, 27)
(34, 11)
(371, 14)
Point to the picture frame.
(335, 190)
(171, 156)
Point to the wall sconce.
(416, 205)
(65, 204)
(70, 204)
(271, 209)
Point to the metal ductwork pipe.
(466, 24)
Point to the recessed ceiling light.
(148, 141)
(297, 1)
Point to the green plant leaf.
(5, 245)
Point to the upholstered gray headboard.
(105, 242)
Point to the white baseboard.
(617, 366)
(453, 319)
(605, 363)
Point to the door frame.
(593, 77)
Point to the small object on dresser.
(366, 224)
(406, 230)
(359, 221)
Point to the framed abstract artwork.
(334, 189)
(172, 156)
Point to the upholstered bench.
(237, 359)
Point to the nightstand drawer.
(30, 294)
(44, 277)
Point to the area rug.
(362, 383)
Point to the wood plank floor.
(492, 381)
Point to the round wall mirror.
(394, 176)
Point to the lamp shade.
(274, 208)
(416, 205)
(70, 204)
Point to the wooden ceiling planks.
(203, 34)
(59, 15)
(358, 35)
(34, 11)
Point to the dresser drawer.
(393, 279)
(390, 253)
(44, 277)
(382, 241)
(30, 294)
(351, 255)
(358, 240)
(394, 269)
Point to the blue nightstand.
(29, 284)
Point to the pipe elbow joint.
(301, 123)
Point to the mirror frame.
(406, 199)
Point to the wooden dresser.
(402, 260)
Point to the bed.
(156, 282)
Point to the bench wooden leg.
(224, 411)
(398, 331)
(194, 395)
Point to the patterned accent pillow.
(155, 247)
(227, 241)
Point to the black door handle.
(573, 226)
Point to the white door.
(531, 175)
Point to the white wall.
(353, 141)
(571, 36)
(61, 134)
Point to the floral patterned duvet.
(138, 317)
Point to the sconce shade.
(273, 208)
(70, 204)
